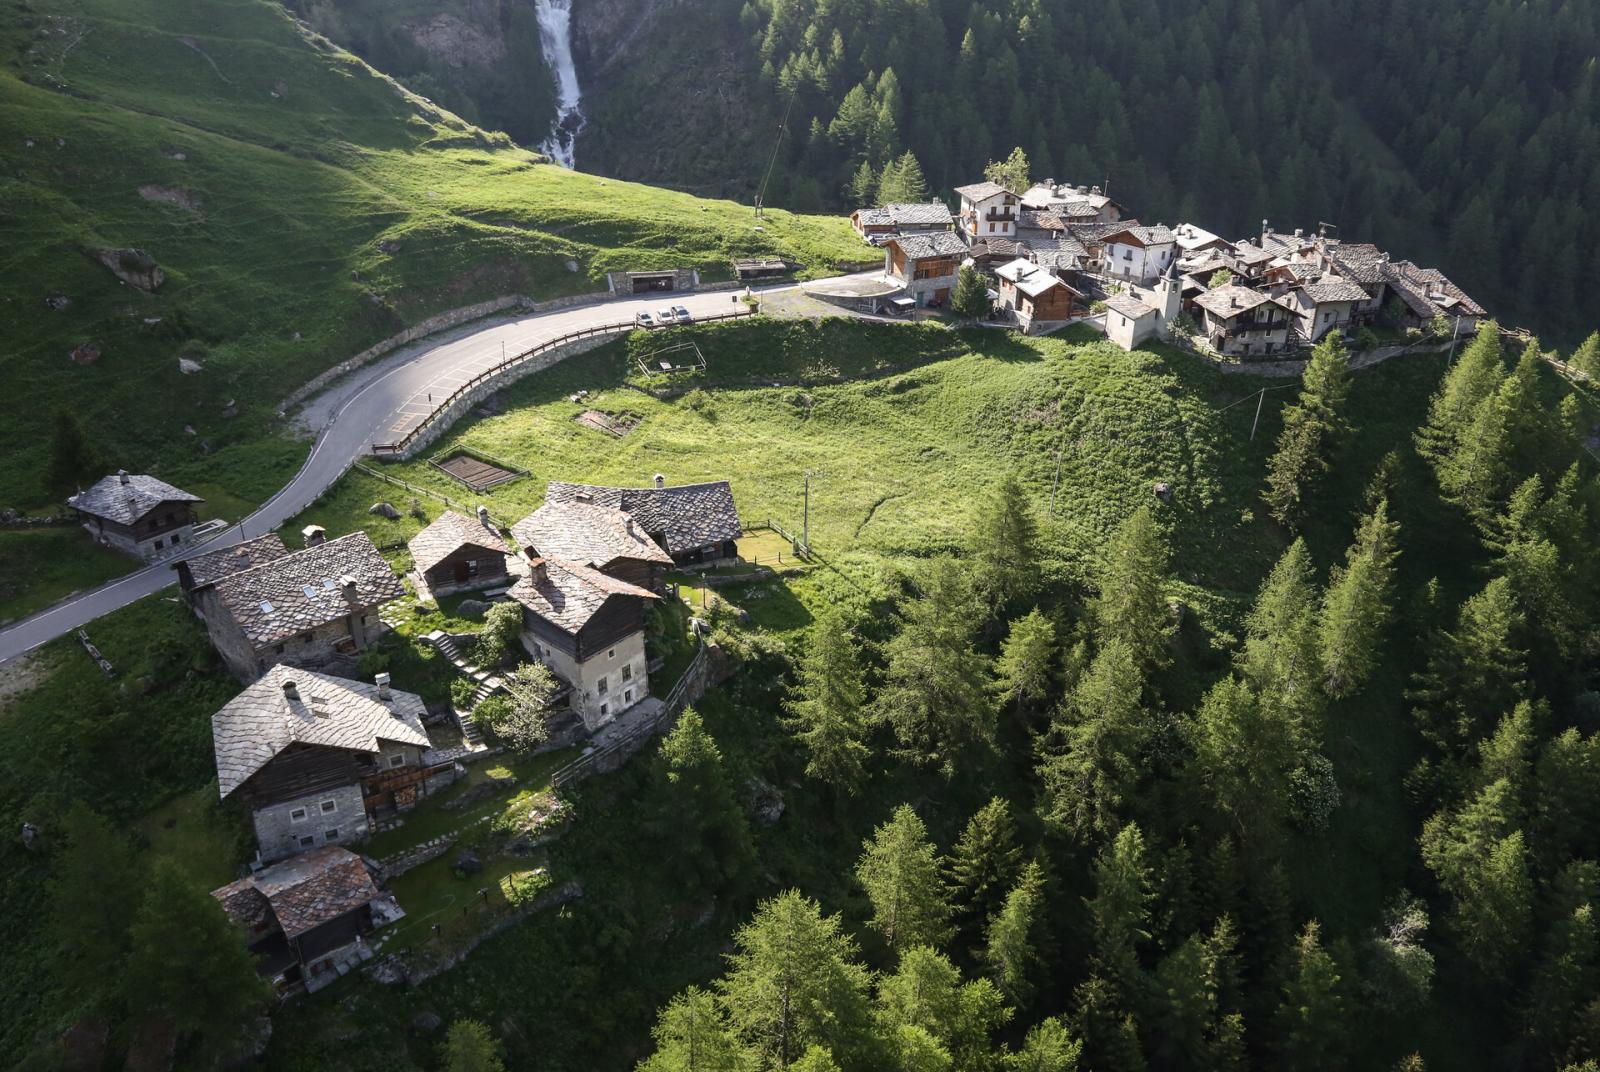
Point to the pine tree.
(1048, 1047)
(1473, 671)
(1091, 757)
(1312, 429)
(1356, 607)
(469, 1047)
(1005, 540)
(899, 869)
(826, 706)
(217, 996)
(692, 1035)
(985, 861)
(1311, 1020)
(863, 190)
(1280, 656)
(971, 297)
(1024, 670)
(902, 181)
(936, 690)
(1130, 607)
(1011, 944)
(793, 982)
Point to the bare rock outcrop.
(134, 267)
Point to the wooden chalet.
(138, 515)
(600, 537)
(456, 553)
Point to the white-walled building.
(1141, 254)
(988, 210)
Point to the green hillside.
(301, 207)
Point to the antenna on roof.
(777, 141)
(1323, 227)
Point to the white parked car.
(665, 316)
(645, 320)
(682, 313)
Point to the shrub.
(461, 690)
(501, 626)
(1365, 339)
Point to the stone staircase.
(456, 650)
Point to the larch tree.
(1312, 430)
(1311, 1022)
(902, 181)
(1047, 1047)
(926, 993)
(1091, 759)
(1012, 172)
(470, 1047)
(899, 869)
(970, 299)
(700, 810)
(1280, 656)
(984, 862)
(1481, 861)
(1244, 754)
(1011, 949)
(863, 188)
(1005, 539)
(936, 693)
(1474, 377)
(1024, 672)
(1120, 911)
(1357, 604)
(826, 707)
(1474, 672)
(1131, 607)
(692, 1035)
(1196, 990)
(793, 982)
(1586, 358)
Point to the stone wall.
(279, 835)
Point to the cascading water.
(555, 41)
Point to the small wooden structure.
(477, 471)
(760, 268)
(672, 359)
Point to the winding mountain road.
(377, 403)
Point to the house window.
(158, 545)
(307, 841)
(397, 760)
(298, 815)
(627, 696)
(612, 654)
(176, 537)
(1127, 254)
(605, 709)
(991, 228)
(472, 567)
(627, 671)
(329, 807)
(601, 686)
(331, 835)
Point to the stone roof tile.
(304, 590)
(126, 497)
(449, 533)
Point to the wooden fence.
(416, 489)
(398, 448)
(586, 765)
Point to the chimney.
(315, 535)
(1233, 301)
(483, 517)
(122, 477)
(661, 481)
(382, 681)
(1264, 229)
(291, 691)
(537, 573)
(628, 520)
(1299, 232)
(583, 497)
(347, 584)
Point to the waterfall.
(555, 41)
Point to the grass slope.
(273, 165)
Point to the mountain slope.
(300, 207)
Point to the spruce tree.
(899, 869)
(1312, 430)
(1280, 656)
(700, 810)
(1048, 1047)
(1024, 670)
(1196, 990)
(1356, 607)
(73, 461)
(1311, 1022)
(985, 861)
(1005, 538)
(1586, 358)
(1131, 607)
(1480, 859)
(1119, 911)
(1244, 752)
(1474, 671)
(1011, 943)
(826, 705)
(936, 693)
(970, 300)
(1091, 759)
(863, 191)
(903, 181)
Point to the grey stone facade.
(280, 834)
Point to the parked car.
(644, 319)
(682, 313)
(665, 316)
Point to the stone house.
(925, 265)
(588, 628)
(137, 514)
(307, 608)
(456, 553)
(600, 537)
(877, 224)
(988, 210)
(1141, 254)
(1322, 306)
(196, 575)
(313, 757)
(1129, 321)
(1427, 293)
(1081, 204)
(308, 916)
(1036, 297)
(696, 524)
(1244, 322)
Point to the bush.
(461, 690)
(1365, 339)
(501, 627)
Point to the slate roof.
(567, 594)
(1429, 292)
(682, 518)
(1096, 233)
(982, 191)
(1060, 258)
(1147, 236)
(1190, 237)
(303, 590)
(995, 246)
(1333, 290)
(1249, 255)
(126, 503)
(1231, 300)
(1359, 262)
(1300, 271)
(1129, 306)
(302, 892)
(1028, 277)
(449, 533)
(1279, 244)
(334, 712)
(903, 214)
(936, 244)
(211, 567)
(587, 533)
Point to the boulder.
(426, 1022)
(389, 245)
(383, 509)
(188, 366)
(468, 863)
(134, 267)
(85, 353)
(58, 301)
(764, 801)
(474, 609)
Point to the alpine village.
(486, 590)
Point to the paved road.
(376, 403)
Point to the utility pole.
(1261, 401)
(805, 522)
(773, 159)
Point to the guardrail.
(399, 447)
(585, 765)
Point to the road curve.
(365, 406)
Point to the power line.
(776, 142)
